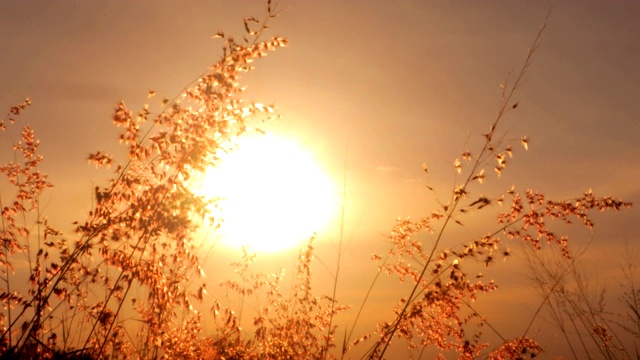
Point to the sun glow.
(273, 195)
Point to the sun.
(273, 194)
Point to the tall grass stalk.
(457, 194)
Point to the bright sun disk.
(273, 194)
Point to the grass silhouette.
(139, 234)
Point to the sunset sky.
(384, 86)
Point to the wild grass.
(125, 284)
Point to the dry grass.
(139, 235)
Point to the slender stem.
(335, 278)
(484, 320)
(386, 338)
(7, 272)
(364, 301)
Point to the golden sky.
(383, 85)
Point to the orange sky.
(387, 85)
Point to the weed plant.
(139, 234)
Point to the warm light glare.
(273, 194)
